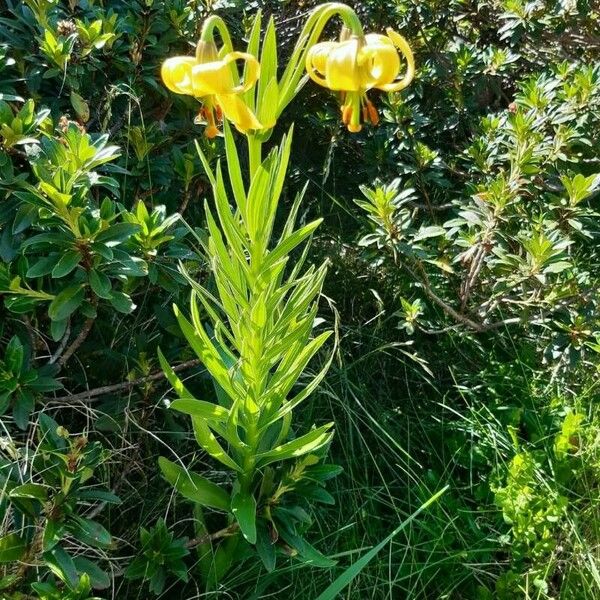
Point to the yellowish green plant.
(255, 333)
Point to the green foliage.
(48, 591)
(516, 241)
(161, 556)
(261, 324)
(20, 128)
(540, 498)
(21, 384)
(463, 284)
(46, 507)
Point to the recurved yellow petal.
(236, 110)
(218, 77)
(341, 67)
(379, 60)
(251, 70)
(316, 61)
(176, 74)
(404, 48)
(212, 78)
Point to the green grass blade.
(353, 570)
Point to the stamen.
(346, 114)
(373, 114)
(200, 117)
(208, 113)
(211, 132)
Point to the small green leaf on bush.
(266, 548)
(81, 107)
(98, 578)
(62, 565)
(58, 328)
(99, 496)
(90, 532)
(66, 264)
(66, 303)
(14, 356)
(117, 233)
(12, 547)
(122, 302)
(43, 266)
(100, 284)
(24, 403)
(30, 490)
(52, 534)
(45, 384)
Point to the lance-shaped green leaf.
(297, 332)
(289, 405)
(193, 486)
(309, 442)
(292, 366)
(257, 194)
(267, 89)
(230, 223)
(269, 99)
(243, 507)
(253, 48)
(289, 243)
(216, 417)
(172, 378)
(234, 170)
(207, 441)
(199, 408)
(206, 165)
(233, 269)
(206, 352)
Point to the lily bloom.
(216, 83)
(358, 64)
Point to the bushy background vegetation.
(462, 235)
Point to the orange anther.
(373, 114)
(346, 114)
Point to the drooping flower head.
(357, 64)
(213, 78)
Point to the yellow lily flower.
(358, 64)
(213, 81)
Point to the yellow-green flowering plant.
(255, 332)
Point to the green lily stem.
(254, 154)
(349, 17)
(289, 84)
(310, 34)
(249, 461)
(208, 32)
